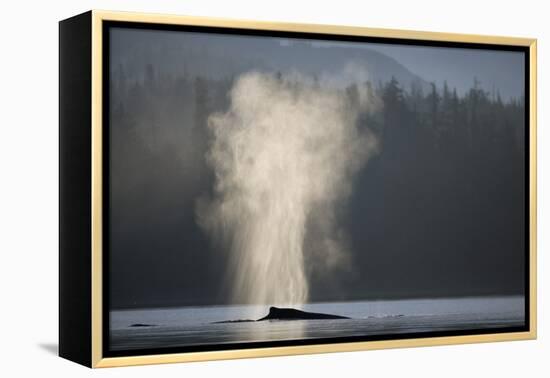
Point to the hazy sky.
(498, 70)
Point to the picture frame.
(90, 54)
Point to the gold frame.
(97, 19)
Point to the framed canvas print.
(235, 189)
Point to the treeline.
(438, 120)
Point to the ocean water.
(187, 326)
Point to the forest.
(450, 174)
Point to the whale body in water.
(276, 313)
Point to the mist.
(287, 148)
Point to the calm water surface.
(173, 327)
